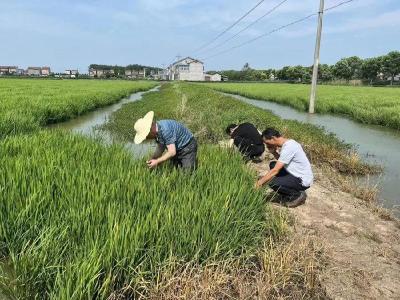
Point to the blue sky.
(75, 33)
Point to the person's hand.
(152, 163)
(258, 184)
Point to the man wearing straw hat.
(174, 141)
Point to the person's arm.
(171, 152)
(159, 151)
(271, 174)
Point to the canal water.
(376, 144)
(89, 124)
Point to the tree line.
(371, 70)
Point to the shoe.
(298, 201)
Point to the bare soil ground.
(362, 247)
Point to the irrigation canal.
(89, 124)
(376, 144)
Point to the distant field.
(28, 104)
(380, 106)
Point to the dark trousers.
(186, 157)
(285, 184)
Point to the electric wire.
(277, 29)
(229, 27)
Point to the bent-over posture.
(174, 141)
(247, 139)
(291, 174)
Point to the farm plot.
(379, 106)
(87, 227)
(26, 105)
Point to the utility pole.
(316, 58)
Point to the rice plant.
(379, 106)
(26, 104)
(79, 220)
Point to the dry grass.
(287, 269)
(366, 191)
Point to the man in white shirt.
(291, 174)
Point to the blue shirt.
(172, 132)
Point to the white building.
(212, 77)
(186, 69)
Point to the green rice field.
(83, 220)
(370, 105)
(26, 104)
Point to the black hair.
(270, 132)
(228, 129)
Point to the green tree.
(348, 68)
(391, 65)
(325, 72)
(370, 68)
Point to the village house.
(33, 71)
(71, 73)
(45, 71)
(212, 77)
(186, 69)
(38, 71)
(100, 72)
(134, 74)
(8, 70)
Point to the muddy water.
(375, 144)
(89, 124)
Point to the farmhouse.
(186, 69)
(6, 70)
(212, 77)
(45, 71)
(38, 71)
(71, 73)
(93, 72)
(33, 71)
(135, 73)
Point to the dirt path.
(363, 249)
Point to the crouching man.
(174, 141)
(291, 174)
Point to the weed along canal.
(376, 144)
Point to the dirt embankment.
(362, 248)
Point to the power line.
(262, 35)
(248, 26)
(229, 27)
(276, 29)
(337, 5)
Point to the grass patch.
(26, 104)
(207, 113)
(79, 220)
(379, 106)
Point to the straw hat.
(143, 126)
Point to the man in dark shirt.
(248, 140)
